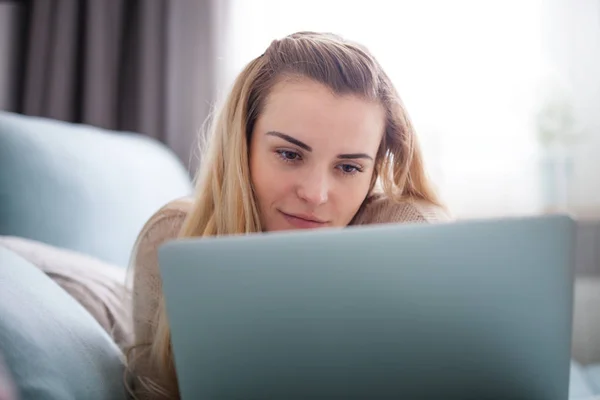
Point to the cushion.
(53, 348)
(83, 188)
(98, 286)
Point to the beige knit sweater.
(165, 225)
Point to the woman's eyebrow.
(355, 155)
(290, 139)
(306, 147)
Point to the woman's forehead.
(312, 111)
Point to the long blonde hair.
(225, 204)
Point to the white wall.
(572, 33)
(9, 34)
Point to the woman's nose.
(314, 189)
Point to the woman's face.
(312, 156)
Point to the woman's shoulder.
(165, 223)
(173, 212)
(162, 226)
(381, 209)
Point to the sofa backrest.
(82, 188)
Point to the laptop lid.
(469, 310)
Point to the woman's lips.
(303, 221)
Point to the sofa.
(73, 199)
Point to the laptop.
(463, 310)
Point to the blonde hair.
(225, 202)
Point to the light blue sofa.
(82, 188)
(87, 192)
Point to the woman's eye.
(349, 169)
(288, 155)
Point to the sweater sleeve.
(163, 226)
(381, 210)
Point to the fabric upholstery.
(98, 286)
(53, 348)
(82, 188)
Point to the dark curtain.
(97, 62)
(130, 65)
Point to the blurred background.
(504, 94)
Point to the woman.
(313, 134)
